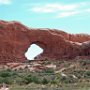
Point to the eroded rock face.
(15, 39)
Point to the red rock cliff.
(15, 39)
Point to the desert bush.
(19, 81)
(5, 80)
(84, 62)
(45, 81)
(79, 73)
(5, 74)
(87, 74)
(48, 71)
(31, 78)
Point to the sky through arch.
(33, 51)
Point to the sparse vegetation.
(73, 73)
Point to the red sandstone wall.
(15, 39)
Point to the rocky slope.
(15, 38)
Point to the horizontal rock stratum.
(15, 38)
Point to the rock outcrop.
(15, 39)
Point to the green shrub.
(5, 80)
(20, 81)
(5, 74)
(87, 74)
(68, 80)
(48, 71)
(31, 78)
(45, 81)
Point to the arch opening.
(33, 51)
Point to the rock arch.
(15, 39)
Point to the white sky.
(33, 51)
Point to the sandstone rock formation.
(15, 39)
